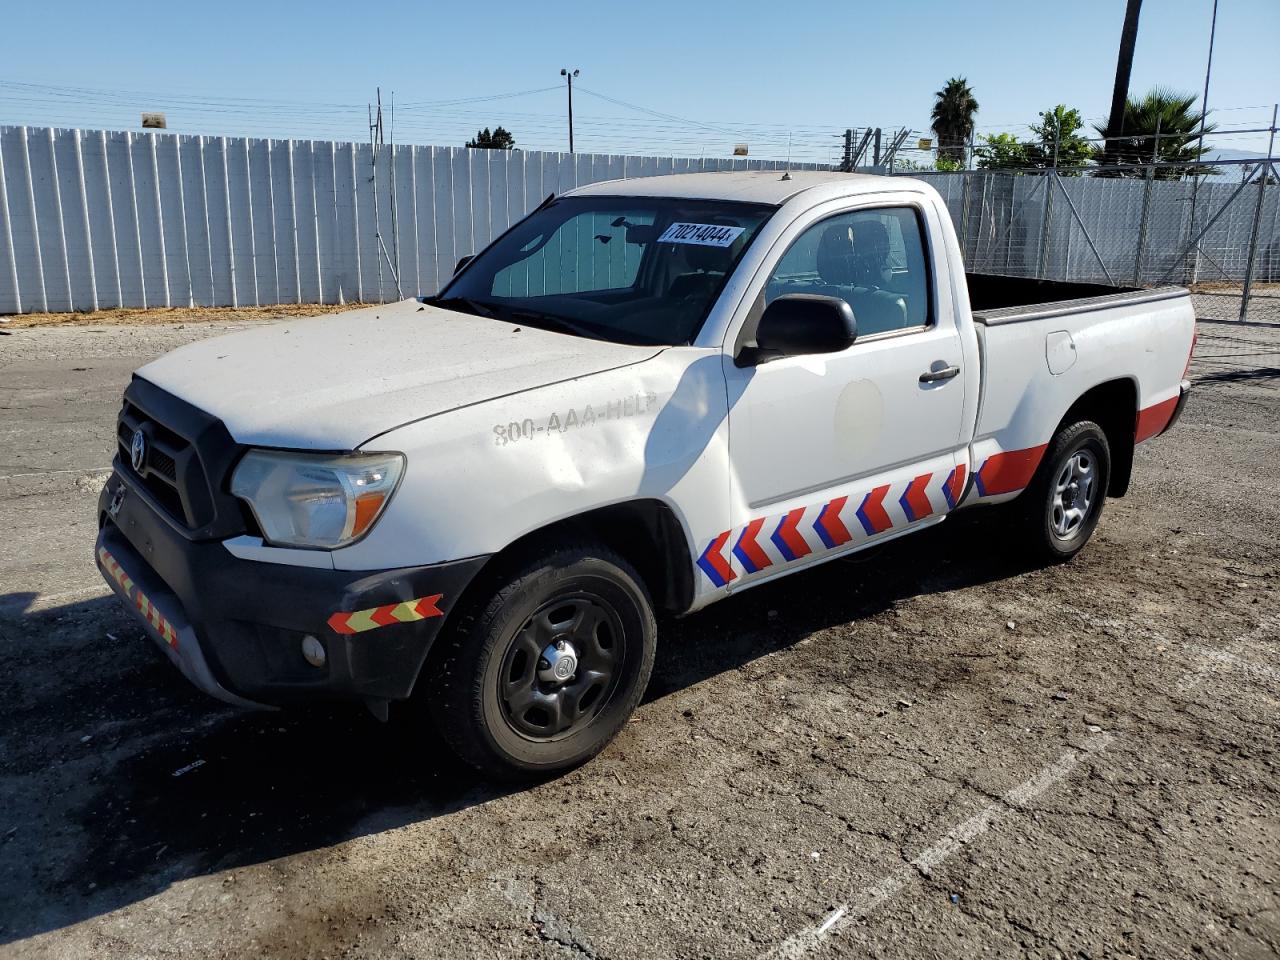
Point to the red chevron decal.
(915, 499)
(748, 551)
(713, 563)
(788, 539)
(428, 606)
(871, 513)
(338, 623)
(382, 615)
(829, 525)
(955, 485)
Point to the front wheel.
(1063, 504)
(547, 669)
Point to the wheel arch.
(1112, 405)
(646, 532)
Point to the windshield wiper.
(533, 318)
(464, 305)
(547, 321)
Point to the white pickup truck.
(647, 395)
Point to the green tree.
(903, 164)
(1178, 122)
(1002, 151)
(953, 111)
(1056, 135)
(499, 139)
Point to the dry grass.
(1233, 287)
(157, 315)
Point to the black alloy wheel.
(560, 668)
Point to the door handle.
(933, 376)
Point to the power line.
(645, 130)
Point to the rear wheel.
(1059, 511)
(548, 669)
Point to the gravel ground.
(939, 753)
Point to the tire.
(511, 712)
(1059, 511)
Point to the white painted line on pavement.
(1020, 796)
(1229, 655)
(832, 920)
(965, 832)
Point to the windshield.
(643, 270)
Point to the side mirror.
(802, 323)
(462, 262)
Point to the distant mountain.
(1224, 154)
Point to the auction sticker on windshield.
(703, 234)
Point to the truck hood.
(334, 382)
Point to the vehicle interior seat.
(704, 268)
(855, 273)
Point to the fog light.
(313, 651)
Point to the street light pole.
(569, 77)
(1204, 113)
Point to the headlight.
(316, 500)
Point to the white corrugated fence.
(94, 219)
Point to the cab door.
(830, 453)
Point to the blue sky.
(759, 72)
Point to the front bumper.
(235, 627)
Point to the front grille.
(164, 465)
(158, 470)
(187, 458)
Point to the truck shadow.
(117, 780)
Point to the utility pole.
(375, 143)
(569, 77)
(1124, 67)
(846, 163)
(1204, 114)
(1263, 175)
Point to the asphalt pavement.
(943, 752)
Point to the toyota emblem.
(138, 450)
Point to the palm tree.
(1124, 66)
(1171, 113)
(953, 112)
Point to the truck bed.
(999, 299)
(1045, 343)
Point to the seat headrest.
(835, 255)
(871, 237)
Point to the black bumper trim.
(1184, 391)
(140, 590)
(246, 618)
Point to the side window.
(872, 259)
(587, 253)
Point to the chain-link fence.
(1218, 234)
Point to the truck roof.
(752, 186)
